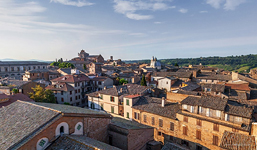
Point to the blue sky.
(127, 29)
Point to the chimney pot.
(163, 101)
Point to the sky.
(127, 29)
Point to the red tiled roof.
(242, 87)
(71, 78)
(132, 96)
(99, 78)
(14, 98)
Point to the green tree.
(15, 90)
(143, 81)
(84, 67)
(123, 81)
(41, 95)
(54, 64)
(176, 64)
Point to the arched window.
(92, 106)
(42, 143)
(62, 128)
(78, 129)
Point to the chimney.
(105, 88)
(163, 101)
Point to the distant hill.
(9, 59)
(241, 63)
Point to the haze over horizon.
(127, 29)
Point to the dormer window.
(192, 109)
(184, 106)
(217, 113)
(226, 117)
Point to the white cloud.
(138, 16)
(215, 3)
(182, 10)
(227, 4)
(157, 22)
(203, 11)
(232, 4)
(78, 3)
(130, 7)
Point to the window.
(171, 126)
(12, 68)
(226, 117)
(238, 119)
(127, 114)
(112, 109)
(79, 90)
(159, 133)
(70, 92)
(18, 68)
(34, 67)
(61, 92)
(184, 106)
(136, 116)
(198, 134)
(77, 103)
(6, 69)
(199, 122)
(160, 123)
(215, 140)
(79, 96)
(185, 119)
(76, 91)
(42, 143)
(62, 99)
(127, 102)
(76, 97)
(192, 109)
(71, 99)
(153, 121)
(92, 106)
(102, 106)
(112, 99)
(145, 118)
(185, 130)
(215, 127)
(207, 112)
(217, 113)
(38, 67)
(99, 83)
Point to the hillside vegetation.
(241, 63)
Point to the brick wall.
(175, 97)
(95, 128)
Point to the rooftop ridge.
(40, 106)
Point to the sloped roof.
(20, 121)
(239, 110)
(127, 124)
(14, 98)
(72, 78)
(214, 87)
(241, 87)
(60, 87)
(131, 89)
(153, 105)
(237, 141)
(101, 78)
(206, 101)
(76, 142)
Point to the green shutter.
(127, 114)
(128, 102)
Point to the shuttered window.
(185, 130)
(215, 127)
(198, 134)
(160, 123)
(215, 140)
(171, 126)
(153, 121)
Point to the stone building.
(99, 83)
(38, 126)
(197, 123)
(71, 89)
(17, 68)
(83, 56)
(111, 100)
(95, 68)
(45, 74)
